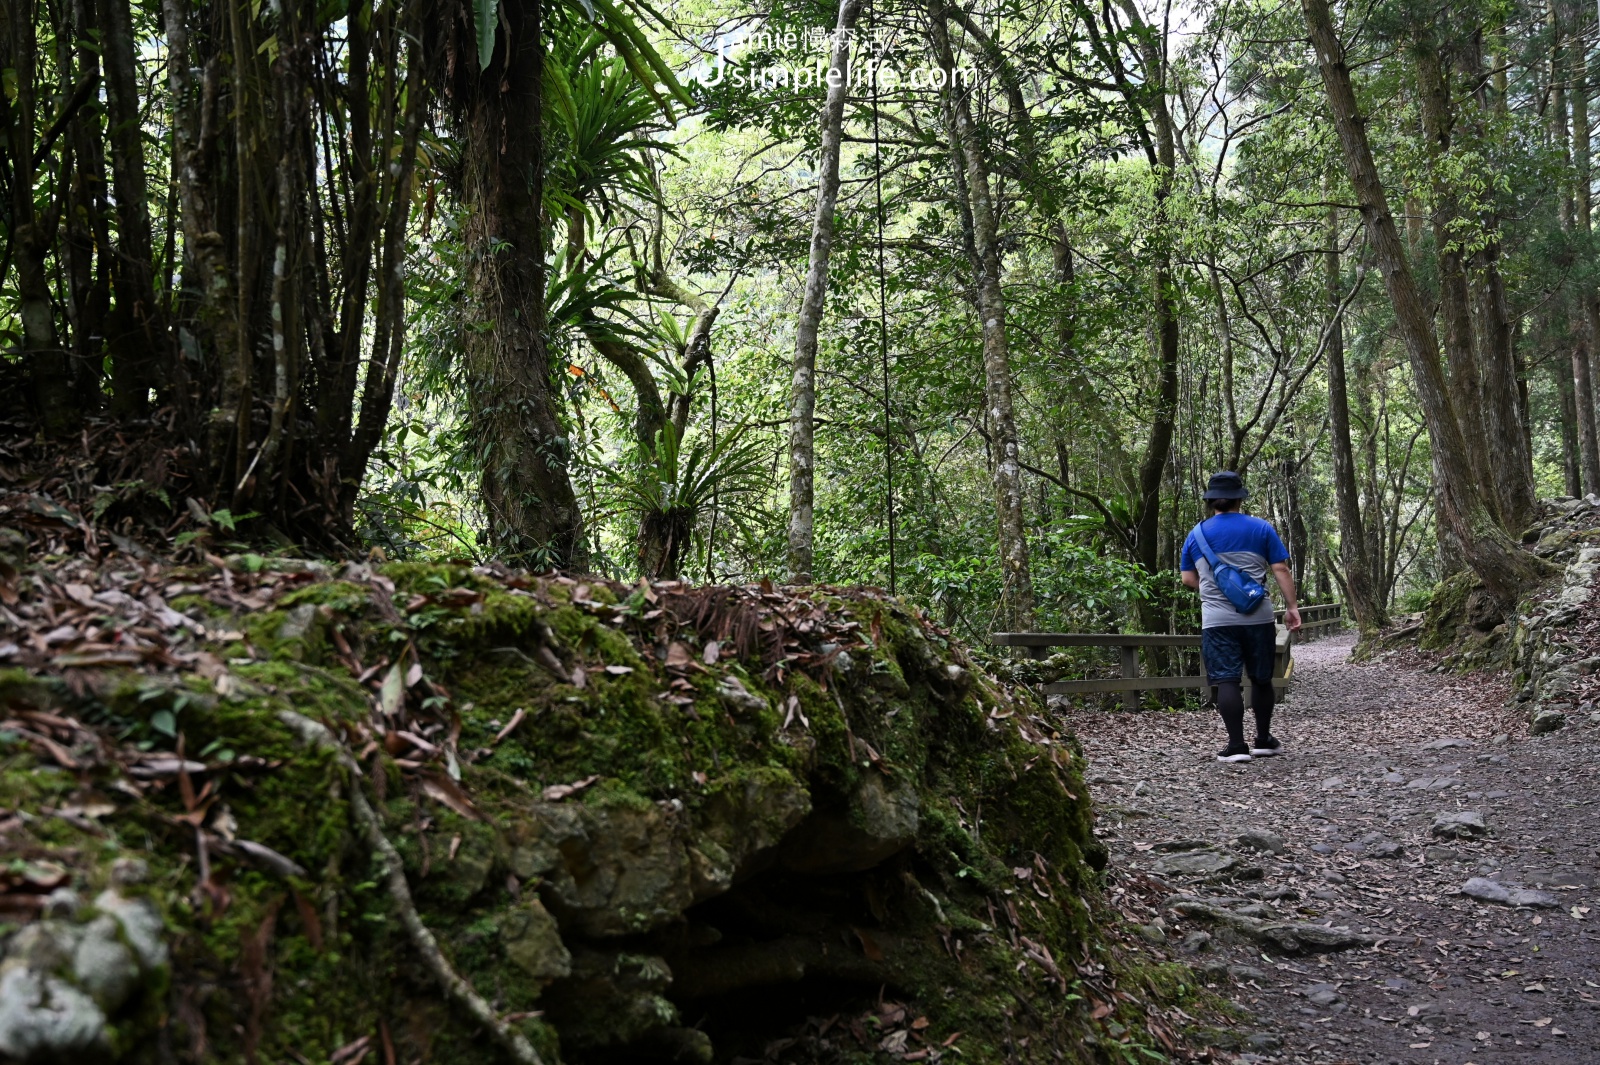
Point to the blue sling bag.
(1243, 591)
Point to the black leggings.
(1230, 704)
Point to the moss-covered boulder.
(653, 822)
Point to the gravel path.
(1375, 753)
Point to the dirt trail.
(1375, 753)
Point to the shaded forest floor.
(1340, 831)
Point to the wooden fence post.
(1130, 669)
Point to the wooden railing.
(1314, 620)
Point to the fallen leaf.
(516, 719)
(1101, 1010)
(393, 690)
(448, 792)
(310, 920)
(869, 946)
(678, 656)
(710, 655)
(352, 1053)
(271, 859)
(619, 671)
(557, 792)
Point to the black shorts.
(1235, 651)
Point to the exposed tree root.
(1287, 937)
(455, 986)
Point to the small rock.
(1181, 845)
(1263, 1041)
(142, 927)
(43, 1016)
(1497, 794)
(1500, 739)
(1195, 942)
(1546, 721)
(1332, 783)
(1333, 878)
(1447, 742)
(1325, 895)
(1196, 863)
(1150, 933)
(1245, 974)
(1259, 839)
(103, 966)
(1459, 824)
(125, 871)
(1254, 909)
(1322, 848)
(1388, 849)
(1322, 995)
(1141, 788)
(1355, 848)
(1394, 778)
(1396, 983)
(63, 902)
(1486, 890)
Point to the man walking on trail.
(1227, 557)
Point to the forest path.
(1374, 753)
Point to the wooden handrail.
(1130, 683)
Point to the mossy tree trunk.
(522, 451)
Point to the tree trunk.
(1366, 605)
(803, 389)
(143, 341)
(1509, 442)
(1158, 445)
(1016, 605)
(32, 233)
(1588, 315)
(1502, 566)
(1571, 468)
(532, 512)
(1438, 120)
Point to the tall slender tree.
(803, 388)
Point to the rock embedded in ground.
(1447, 742)
(1323, 995)
(1546, 720)
(1486, 890)
(1196, 863)
(1259, 839)
(1459, 824)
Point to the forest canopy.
(965, 301)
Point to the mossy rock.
(1460, 609)
(631, 844)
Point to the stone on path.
(1545, 721)
(1323, 995)
(1196, 863)
(1459, 824)
(1259, 839)
(1485, 890)
(1446, 742)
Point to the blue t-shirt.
(1241, 540)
